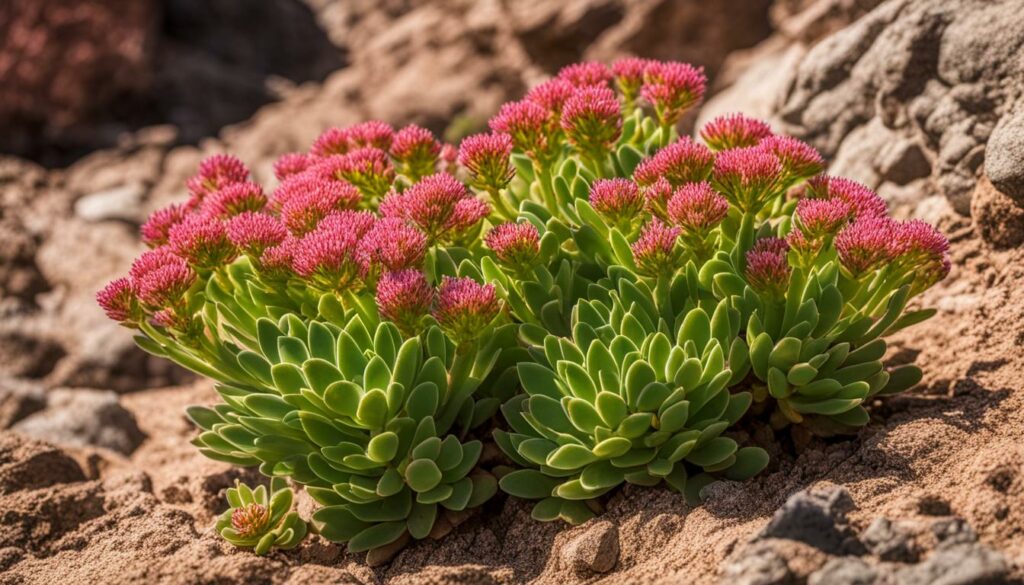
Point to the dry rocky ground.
(920, 99)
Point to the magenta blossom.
(629, 76)
(203, 242)
(465, 308)
(655, 252)
(416, 151)
(516, 245)
(734, 131)
(683, 161)
(314, 199)
(867, 244)
(821, 218)
(697, 208)
(525, 123)
(552, 95)
(119, 301)
(618, 200)
(673, 88)
(234, 199)
(864, 203)
(439, 205)
(155, 231)
(165, 287)
(587, 74)
(328, 257)
(215, 173)
(291, 164)
(748, 177)
(404, 298)
(394, 245)
(768, 268)
(253, 233)
(488, 159)
(592, 120)
(798, 159)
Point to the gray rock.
(1004, 158)
(889, 541)
(120, 203)
(959, 564)
(84, 418)
(953, 531)
(844, 571)
(758, 565)
(18, 399)
(817, 518)
(596, 550)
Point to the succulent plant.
(260, 520)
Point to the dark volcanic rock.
(84, 417)
(817, 518)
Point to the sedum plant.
(260, 520)
(614, 299)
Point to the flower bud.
(516, 245)
(416, 151)
(488, 159)
(155, 231)
(404, 298)
(253, 233)
(439, 205)
(371, 134)
(552, 95)
(151, 260)
(276, 263)
(119, 301)
(394, 245)
(734, 131)
(681, 162)
(215, 173)
(748, 177)
(657, 195)
(768, 268)
(673, 88)
(592, 120)
(923, 250)
(655, 252)
(234, 199)
(250, 520)
(203, 242)
(465, 308)
(697, 208)
(618, 200)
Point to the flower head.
(234, 199)
(655, 252)
(291, 164)
(516, 245)
(331, 142)
(276, 262)
(394, 245)
(466, 216)
(820, 218)
(618, 200)
(551, 95)
(404, 298)
(867, 244)
(304, 203)
(250, 520)
(369, 169)
(748, 177)
(253, 233)
(798, 159)
(657, 195)
(439, 205)
(488, 158)
(215, 173)
(864, 203)
(683, 161)
(524, 121)
(165, 286)
(328, 257)
(672, 88)
(119, 301)
(465, 308)
(203, 242)
(697, 208)
(154, 232)
(150, 260)
(629, 76)
(587, 74)
(592, 119)
(734, 131)
(371, 134)
(416, 151)
(923, 250)
(768, 268)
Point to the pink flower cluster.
(768, 268)
(516, 245)
(681, 162)
(464, 308)
(440, 206)
(656, 252)
(618, 200)
(912, 247)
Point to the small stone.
(758, 565)
(119, 203)
(951, 531)
(998, 219)
(844, 571)
(80, 417)
(817, 518)
(382, 555)
(1004, 156)
(889, 541)
(596, 550)
(960, 564)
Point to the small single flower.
(864, 203)
(253, 233)
(867, 244)
(404, 298)
(166, 286)
(394, 245)
(465, 308)
(683, 161)
(203, 242)
(657, 195)
(629, 76)
(369, 169)
(551, 95)
(234, 199)
(524, 122)
(488, 159)
(215, 173)
(516, 245)
(748, 177)
(587, 74)
(799, 160)
(673, 88)
(250, 520)
(734, 131)
(416, 151)
(303, 204)
(119, 300)
(697, 208)
(768, 269)
(291, 164)
(592, 120)
(155, 231)
(656, 252)
(821, 218)
(618, 200)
